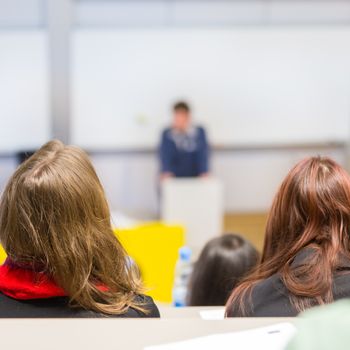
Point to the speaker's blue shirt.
(184, 154)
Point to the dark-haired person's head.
(181, 116)
(310, 213)
(54, 215)
(223, 262)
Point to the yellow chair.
(2, 255)
(155, 249)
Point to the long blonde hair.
(53, 213)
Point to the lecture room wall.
(250, 176)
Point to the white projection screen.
(248, 86)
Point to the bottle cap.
(185, 253)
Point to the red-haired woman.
(306, 255)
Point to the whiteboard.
(248, 85)
(24, 100)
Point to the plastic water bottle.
(183, 272)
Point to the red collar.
(23, 283)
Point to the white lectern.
(195, 203)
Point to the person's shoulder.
(149, 307)
(267, 285)
(271, 298)
(4, 301)
(166, 133)
(200, 129)
(55, 307)
(59, 307)
(260, 299)
(271, 289)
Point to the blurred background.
(269, 80)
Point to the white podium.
(195, 203)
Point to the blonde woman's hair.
(54, 214)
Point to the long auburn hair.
(54, 214)
(223, 262)
(310, 210)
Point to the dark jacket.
(270, 298)
(184, 154)
(57, 307)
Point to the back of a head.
(312, 206)
(181, 106)
(223, 262)
(54, 215)
(310, 211)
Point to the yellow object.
(155, 249)
(2, 255)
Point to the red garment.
(24, 283)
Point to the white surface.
(122, 221)
(309, 12)
(7, 167)
(109, 334)
(106, 12)
(24, 109)
(247, 85)
(216, 12)
(216, 314)
(197, 204)
(208, 313)
(274, 337)
(250, 178)
(210, 13)
(21, 13)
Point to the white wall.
(24, 90)
(248, 86)
(209, 12)
(250, 177)
(22, 13)
(7, 167)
